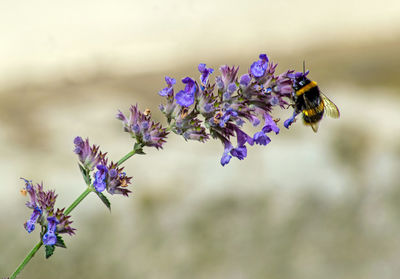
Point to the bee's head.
(300, 80)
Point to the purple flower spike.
(100, 178)
(143, 129)
(50, 238)
(205, 73)
(270, 125)
(261, 138)
(185, 98)
(42, 202)
(30, 224)
(258, 68)
(167, 91)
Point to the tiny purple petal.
(245, 80)
(219, 82)
(289, 121)
(183, 99)
(232, 87)
(30, 224)
(170, 81)
(205, 73)
(167, 90)
(225, 159)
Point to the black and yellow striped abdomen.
(311, 104)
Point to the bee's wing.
(329, 107)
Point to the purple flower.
(239, 152)
(226, 157)
(100, 178)
(89, 157)
(168, 91)
(258, 68)
(30, 224)
(230, 112)
(185, 98)
(261, 138)
(270, 124)
(50, 238)
(205, 73)
(245, 80)
(289, 121)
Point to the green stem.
(78, 200)
(126, 157)
(26, 260)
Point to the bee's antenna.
(304, 67)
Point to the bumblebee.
(311, 102)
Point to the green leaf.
(49, 250)
(86, 174)
(60, 242)
(138, 148)
(104, 200)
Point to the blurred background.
(323, 205)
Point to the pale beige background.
(308, 205)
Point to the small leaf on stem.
(49, 250)
(104, 200)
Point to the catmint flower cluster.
(142, 128)
(106, 176)
(53, 222)
(204, 109)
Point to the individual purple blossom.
(89, 157)
(270, 125)
(239, 152)
(226, 157)
(185, 98)
(258, 68)
(111, 178)
(167, 91)
(30, 224)
(245, 80)
(100, 178)
(205, 73)
(261, 138)
(289, 121)
(50, 238)
(142, 128)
